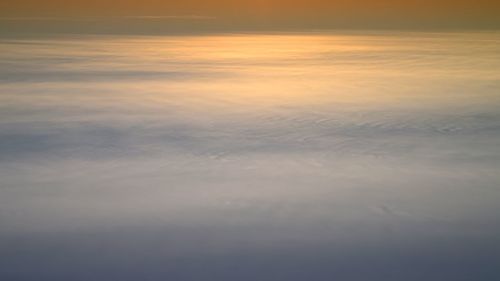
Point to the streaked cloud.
(285, 156)
(94, 18)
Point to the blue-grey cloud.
(250, 157)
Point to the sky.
(223, 150)
(195, 15)
(249, 140)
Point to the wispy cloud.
(188, 17)
(87, 19)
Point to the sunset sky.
(266, 14)
(249, 140)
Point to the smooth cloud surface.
(250, 157)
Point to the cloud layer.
(250, 157)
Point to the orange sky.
(321, 12)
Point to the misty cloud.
(250, 157)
